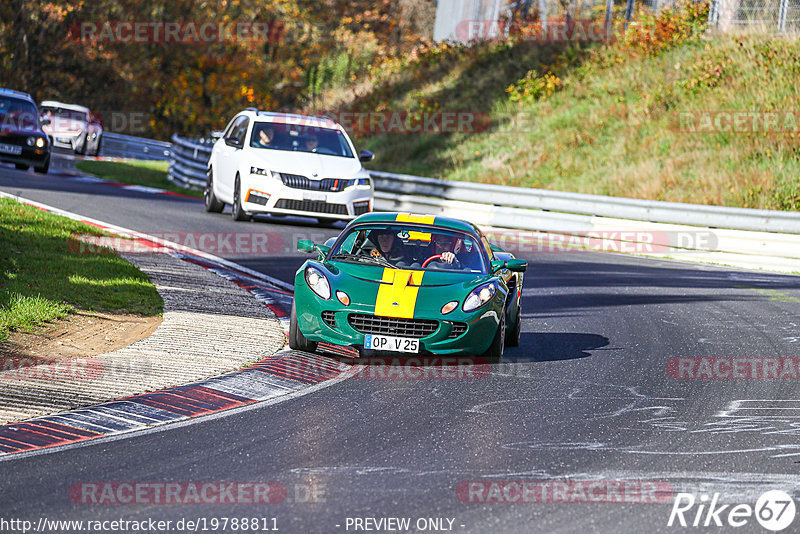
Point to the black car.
(22, 141)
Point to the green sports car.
(401, 283)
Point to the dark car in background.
(22, 140)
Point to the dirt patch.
(81, 334)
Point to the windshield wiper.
(362, 258)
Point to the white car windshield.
(69, 114)
(300, 138)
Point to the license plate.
(11, 149)
(394, 344)
(65, 140)
(319, 197)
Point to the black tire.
(44, 168)
(237, 212)
(21, 166)
(297, 341)
(210, 200)
(513, 335)
(495, 352)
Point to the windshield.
(65, 119)
(300, 138)
(16, 114)
(411, 247)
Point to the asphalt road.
(586, 397)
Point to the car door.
(228, 158)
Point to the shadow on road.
(552, 347)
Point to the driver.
(311, 142)
(442, 246)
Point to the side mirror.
(517, 266)
(233, 141)
(366, 156)
(305, 245)
(45, 122)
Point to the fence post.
(543, 14)
(629, 12)
(782, 16)
(607, 25)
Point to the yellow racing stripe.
(397, 295)
(415, 218)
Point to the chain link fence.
(766, 15)
(466, 20)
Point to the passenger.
(387, 246)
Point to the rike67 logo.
(774, 510)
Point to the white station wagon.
(286, 164)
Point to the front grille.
(360, 208)
(315, 206)
(330, 318)
(295, 181)
(392, 326)
(457, 330)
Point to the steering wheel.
(434, 257)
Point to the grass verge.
(634, 118)
(41, 279)
(134, 172)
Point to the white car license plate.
(11, 149)
(319, 197)
(394, 344)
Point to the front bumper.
(68, 140)
(35, 157)
(481, 326)
(261, 194)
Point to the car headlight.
(31, 141)
(40, 142)
(479, 296)
(359, 183)
(318, 283)
(260, 172)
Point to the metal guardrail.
(189, 161)
(126, 146)
(517, 207)
(741, 237)
(565, 204)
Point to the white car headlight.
(479, 296)
(359, 183)
(260, 172)
(318, 283)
